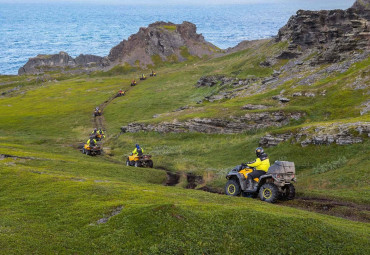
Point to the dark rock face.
(164, 40)
(233, 125)
(45, 63)
(362, 7)
(333, 33)
(161, 40)
(341, 134)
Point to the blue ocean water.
(30, 29)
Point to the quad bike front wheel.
(127, 162)
(137, 164)
(232, 188)
(269, 193)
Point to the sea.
(27, 30)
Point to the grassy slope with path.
(51, 199)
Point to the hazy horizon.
(175, 2)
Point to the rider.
(261, 165)
(91, 142)
(94, 132)
(137, 151)
(101, 133)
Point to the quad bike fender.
(238, 176)
(133, 158)
(265, 177)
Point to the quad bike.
(97, 113)
(142, 78)
(121, 93)
(92, 151)
(153, 74)
(275, 184)
(139, 161)
(133, 84)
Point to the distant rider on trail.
(94, 132)
(91, 142)
(137, 151)
(261, 165)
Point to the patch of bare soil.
(346, 210)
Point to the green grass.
(59, 194)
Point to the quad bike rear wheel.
(232, 188)
(269, 193)
(288, 192)
(150, 163)
(137, 164)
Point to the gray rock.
(366, 108)
(341, 134)
(254, 107)
(334, 33)
(281, 99)
(249, 121)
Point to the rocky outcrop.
(249, 121)
(46, 63)
(160, 41)
(362, 7)
(341, 134)
(163, 41)
(229, 87)
(333, 33)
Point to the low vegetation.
(80, 204)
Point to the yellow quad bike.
(153, 74)
(275, 184)
(139, 161)
(97, 113)
(91, 151)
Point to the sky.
(161, 2)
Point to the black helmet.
(259, 151)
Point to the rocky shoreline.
(160, 41)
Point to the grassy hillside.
(53, 198)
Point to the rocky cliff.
(160, 41)
(163, 41)
(46, 63)
(333, 33)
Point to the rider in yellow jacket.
(91, 142)
(138, 151)
(261, 165)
